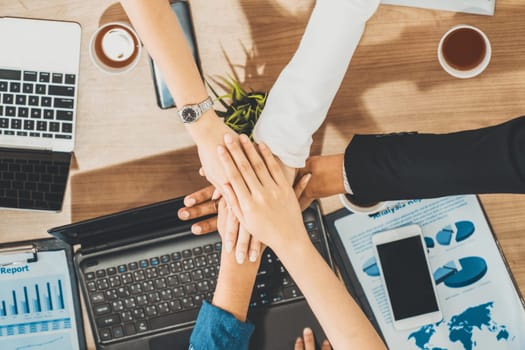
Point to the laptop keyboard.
(162, 291)
(37, 104)
(32, 184)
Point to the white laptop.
(39, 67)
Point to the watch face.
(189, 115)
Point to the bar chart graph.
(20, 301)
(33, 306)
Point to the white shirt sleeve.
(300, 98)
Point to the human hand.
(198, 204)
(244, 241)
(307, 342)
(203, 203)
(207, 135)
(306, 198)
(206, 146)
(327, 178)
(230, 231)
(259, 194)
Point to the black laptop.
(144, 276)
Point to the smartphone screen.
(407, 278)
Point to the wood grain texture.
(129, 152)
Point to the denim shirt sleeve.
(217, 329)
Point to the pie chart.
(471, 269)
(429, 242)
(370, 267)
(464, 229)
(444, 272)
(445, 235)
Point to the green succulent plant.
(242, 108)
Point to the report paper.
(480, 305)
(479, 7)
(36, 305)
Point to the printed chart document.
(36, 305)
(480, 305)
(479, 7)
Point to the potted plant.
(242, 108)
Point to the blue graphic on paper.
(473, 268)
(464, 229)
(429, 242)
(370, 267)
(444, 272)
(445, 235)
(460, 328)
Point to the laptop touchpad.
(277, 328)
(175, 341)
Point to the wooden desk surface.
(129, 152)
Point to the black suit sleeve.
(410, 165)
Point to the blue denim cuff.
(217, 329)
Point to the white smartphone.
(405, 271)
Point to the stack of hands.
(244, 156)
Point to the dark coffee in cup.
(464, 49)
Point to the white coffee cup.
(115, 48)
(469, 73)
(354, 208)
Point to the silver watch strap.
(205, 105)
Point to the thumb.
(301, 185)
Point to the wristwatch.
(192, 113)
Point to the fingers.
(232, 231)
(301, 185)
(255, 159)
(205, 226)
(272, 164)
(304, 201)
(307, 341)
(198, 210)
(299, 344)
(216, 195)
(222, 217)
(233, 202)
(326, 345)
(255, 249)
(234, 176)
(243, 243)
(308, 338)
(199, 196)
(242, 163)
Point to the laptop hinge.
(26, 147)
(87, 247)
